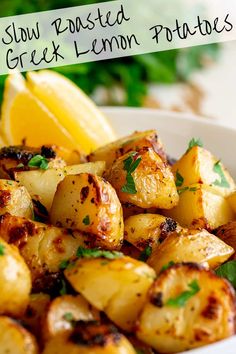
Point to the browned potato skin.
(147, 229)
(15, 339)
(197, 246)
(118, 287)
(153, 180)
(227, 233)
(15, 281)
(130, 210)
(133, 142)
(208, 316)
(15, 199)
(43, 247)
(87, 195)
(55, 322)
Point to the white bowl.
(176, 130)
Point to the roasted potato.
(197, 246)
(90, 338)
(130, 210)
(146, 229)
(15, 339)
(201, 207)
(188, 307)
(118, 287)
(42, 246)
(90, 204)
(15, 281)
(232, 201)
(42, 184)
(150, 184)
(227, 233)
(198, 165)
(133, 142)
(64, 312)
(15, 199)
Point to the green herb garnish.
(184, 189)
(86, 220)
(64, 264)
(68, 316)
(222, 182)
(180, 300)
(228, 271)
(179, 179)
(145, 254)
(63, 290)
(194, 142)
(2, 250)
(130, 166)
(97, 253)
(38, 161)
(167, 266)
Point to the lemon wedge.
(74, 110)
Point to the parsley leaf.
(181, 299)
(179, 179)
(97, 253)
(68, 316)
(38, 161)
(228, 271)
(86, 220)
(130, 166)
(145, 254)
(222, 182)
(194, 142)
(2, 250)
(64, 264)
(167, 266)
(181, 190)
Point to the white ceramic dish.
(176, 129)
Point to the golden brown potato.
(150, 184)
(42, 246)
(201, 207)
(227, 233)
(197, 246)
(90, 338)
(15, 199)
(118, 287)
(42, 184)
(199, 166)
(130, 210)
(15, 339)
(188, 307)
(90, 204)
(146, 229)
(64, 311)
(133, 142)
(15, 281)
(232, 201)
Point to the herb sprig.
(194, 142)
(38, 161)
(130, 165)
(228, 271)
(181, 299)
(2, 250)
(222, 182)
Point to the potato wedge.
(128, 279)
(42, 184)
(152, 181)
(172, 322)
(197, 246)
(42, 246)
(227, 233)
(64, 311)
(198, 165)
(146, 229)
(15, 199)
(15, 281)
(15, 339)
(201, 207)
(90, 338)
(90, 204)
(133, 142)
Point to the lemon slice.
(73, 109)
(26, 120)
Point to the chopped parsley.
(194, 142)
(130, 165)
(68, 316)
(145, 254)
(64, 264)
(181, 299)
(184, 189)
(2, 250)
(179, 179)
(63, 290)
(38, 161)
(222, 182)
(86, 220)
(228, 271)
(97, 253)
(167, 266)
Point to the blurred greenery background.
(133, 74)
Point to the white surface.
(176, 129)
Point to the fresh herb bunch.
(131, 73)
